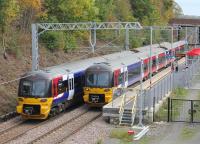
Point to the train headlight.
(106, 90)
(43, 100)
(20, 99)
(87, 89)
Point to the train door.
(166, 58)
(124, 71)
(71, 86)
(157, 63)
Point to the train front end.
(98, 88)
(34, 96)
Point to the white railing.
(133, 112)
(121, 109)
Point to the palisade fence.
(153, 97)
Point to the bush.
(53, 40)
(70, 42)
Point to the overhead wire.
(78, 58)
(10, 81)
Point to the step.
(127, 118)
(125, 124)
(126, 115)
(126, 121)
(127, 110)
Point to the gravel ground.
(98, 130)
(50, 125)
(69, 128)
(10, 123)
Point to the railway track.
(6, 126)
(64, 131)
(33, 130)
(18, 130)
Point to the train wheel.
(53, 112)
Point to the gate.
(182, 110)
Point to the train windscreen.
(33, 88)
(96, 79)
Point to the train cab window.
(101, 79)
(26, 88)
(33, 88)
(91, 79)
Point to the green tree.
(72, 10)
(106, 10)
(142, 9)
(29, 11)
(123, 10)
(8, 12)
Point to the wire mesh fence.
(155, 96)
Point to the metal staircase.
(126, 118)
(127, 115)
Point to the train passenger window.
(61, 87)
(134, 72)
(153, 62)
(161, 59)
(145, 67)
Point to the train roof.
(81, 65)
(168, 45)
(115, 60)
(122, 61)
(145, 50)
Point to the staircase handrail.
(133, 112)
(121, 109)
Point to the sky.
(190, 7)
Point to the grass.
(188, 133)
(122, 134)
(161, 114)
(99, 141)
(179, 93)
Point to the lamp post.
(151, 42)
(141, 94)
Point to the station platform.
(111, 110)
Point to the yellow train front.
(34, 96)
(98, 88)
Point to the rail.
(121, 109)
(133, 112)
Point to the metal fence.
(185, 77)
(182, 110)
